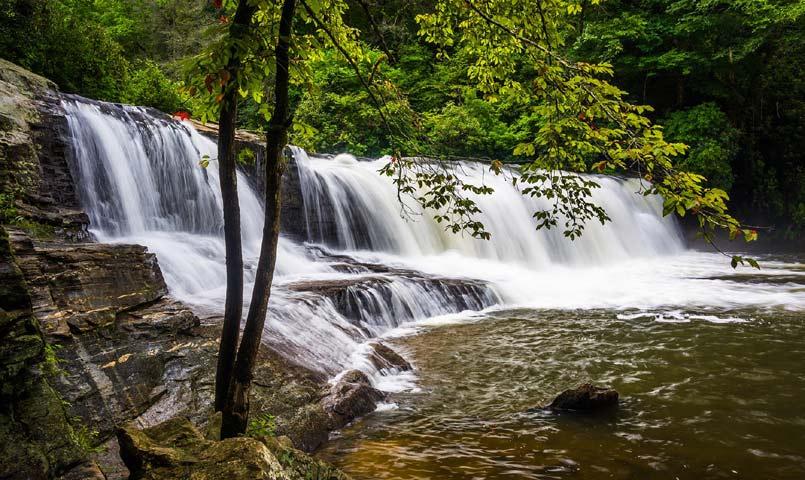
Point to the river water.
(709, 360)
(706, 392)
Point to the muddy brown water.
(701, 398)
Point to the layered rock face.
(37, 436)
(105, 311)
(35, 182)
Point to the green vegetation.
(51, 360)
(721, 75)
(263, 425)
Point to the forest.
(402, 239)
(721, 76)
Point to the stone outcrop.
(176, 450)
(350, 397)
(37, 190)
(104, 311)
(37, 437)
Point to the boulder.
(175, 450)
(384, 358)
(585, 398)
(351, 396)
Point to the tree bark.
(227, 124)
(236, 410)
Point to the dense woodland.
(723, 76)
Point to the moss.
(38, 440)
(51, 362)
(37, 230)
(176, 450)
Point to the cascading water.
(350, 207)
(367, 269)
(140, 181)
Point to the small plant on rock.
(263, 425)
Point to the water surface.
(704, 395)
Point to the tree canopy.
(729, 67)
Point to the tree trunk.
(236, 410)
(229, 194)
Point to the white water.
(141, 182)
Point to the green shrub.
(148, 86)
(59, 40)
(263, 425)
(712, 139)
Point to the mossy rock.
(175, 450)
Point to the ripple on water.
(707, 398)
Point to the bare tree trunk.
(229, 194)
(236, 409)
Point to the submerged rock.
(175, 450)
(585, 398)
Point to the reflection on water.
(703, 396)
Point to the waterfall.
(350, 207)
(365, 268)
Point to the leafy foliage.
(735, 54)
(531, 82)
(263, 425)
(149, 85)
(712, 139)
(57, 39)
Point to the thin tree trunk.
(236, 410)
(229, 194)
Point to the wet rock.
(125, 350)
(85, 471)
(351, 397)
(379, 295)
(34, 168)
(384, 358)
(37, 437)
(585, 398)
(176, 450)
